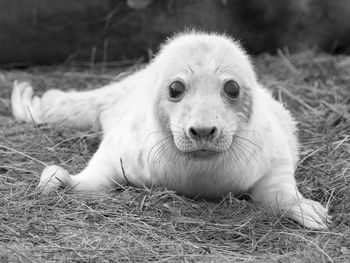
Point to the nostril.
(201, 132)
(193, 132)
(213, 131)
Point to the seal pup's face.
(206, 93)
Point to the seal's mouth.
(201, 148)
(203, 153)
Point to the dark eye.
(176, 89)
(231, 89)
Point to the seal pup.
(194, 120)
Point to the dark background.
(53, 32)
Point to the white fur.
(149, 133)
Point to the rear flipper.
(25, 107)
(78, 109)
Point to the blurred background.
(46, 32)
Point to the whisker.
(222, 59)
(184, 60)
(154, 147)
(177, 126)
(244, 149)
(178, 66)
(161, 153)
(155, 156)
(240, 130)
(241, 153)
(158, 152)
(236, 159)
(157, 132)
(248, 141)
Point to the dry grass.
(138, 225)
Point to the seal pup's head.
(205, 94)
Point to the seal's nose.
(198, 133)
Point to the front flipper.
(309, 213)
(52, 178)
(278, 190)
(99, 175)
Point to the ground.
(156, 225)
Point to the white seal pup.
(195, 120)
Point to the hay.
(156, 225)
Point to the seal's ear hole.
(231, 89)
(176, 90)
